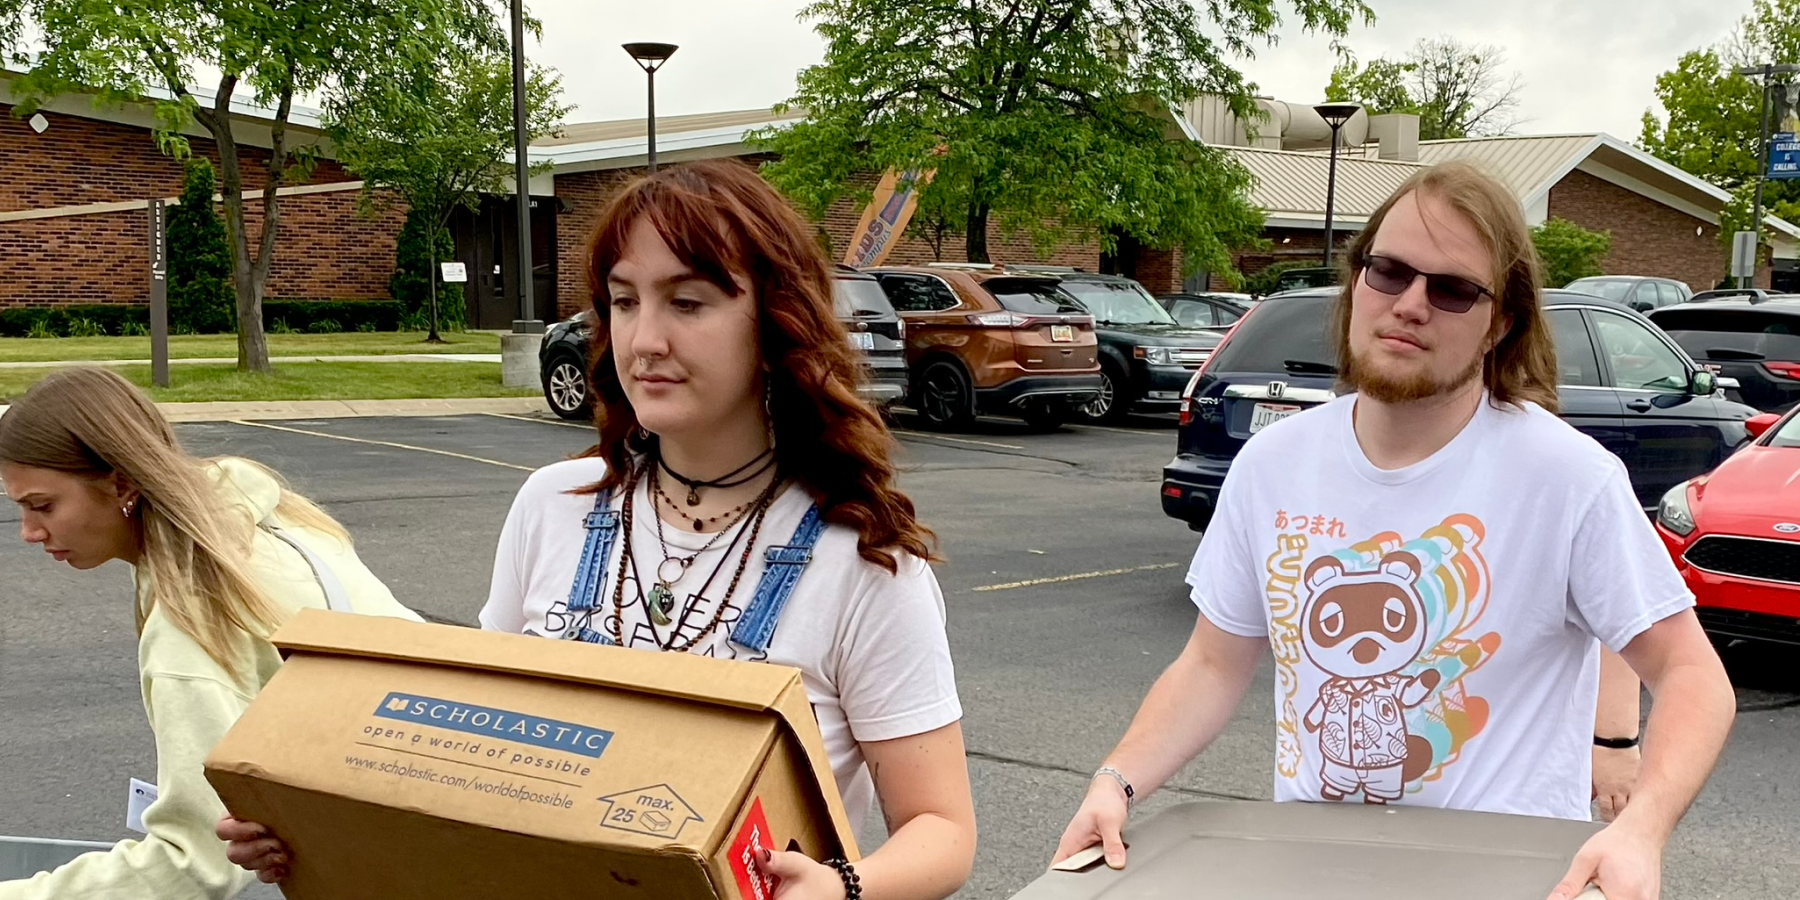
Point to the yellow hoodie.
(191, 703)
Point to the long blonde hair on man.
(195, 543)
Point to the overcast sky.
(1586, 64)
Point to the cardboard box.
(1247, 850)
(401, 760)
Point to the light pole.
(650, 57)
(528, 322)
(1765, 71)
(1335, 115)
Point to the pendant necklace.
(661, 599)
(730, 480)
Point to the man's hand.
(1624, 861)
(1100, 820)
(1615, 774)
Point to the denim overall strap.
(781, 572)
(590, 576)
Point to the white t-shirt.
(1434, 626)
(870, 645)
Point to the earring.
(128, 507)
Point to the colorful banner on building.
(896, 196)
(1784, 156)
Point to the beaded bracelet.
(852, 882)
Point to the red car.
(1735, 535)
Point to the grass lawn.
(224, 346)
(305, 381)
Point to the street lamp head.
(1336, 114)
(650, 55)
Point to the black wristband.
(1615, 743)
(852, 882)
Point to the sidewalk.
(347, 409)
(229, 361)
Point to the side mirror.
(1760, 425)
(1642, 305)
(1703, 384)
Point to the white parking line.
(541, 421)
(1079, 576)
(938, 437)
(1140, 432)
(353, 440)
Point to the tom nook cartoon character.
(1363, 629)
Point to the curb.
(347, 409)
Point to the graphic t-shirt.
(1434, 627)
(870, 645)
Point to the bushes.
(201, 300)
(298, 315)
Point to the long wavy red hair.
(721, 219)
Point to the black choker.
(731, 479)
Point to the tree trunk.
(253, 346)
(976, 238)
(433, 337)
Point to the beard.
(1374, 382)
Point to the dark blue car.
(1622, 382)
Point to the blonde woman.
(221, 552)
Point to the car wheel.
(1045, 416)
(1114, 402)
(945, 398)
(566, 388)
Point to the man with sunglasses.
(1435, 559)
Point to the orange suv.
(986, 339)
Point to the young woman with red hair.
(741, 504)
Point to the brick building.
(75, 179)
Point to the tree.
(438, 140)
(1569, 251)
(271, 50)
(1457, 90)
(1053, 117)
(417, 280)
(200, 298)
(1714, 115)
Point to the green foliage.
(1050, 118)
(415, 321)
(1268, 280)
(325, 326)
(1711, 115)
(109, 319)
(40, 329)
(133, 329)
(282, 327)
(304, 315)
(84, 328)
(367, 328)
(200, 290)
(1456, 89)
(414, 272)
(1569, 251)
(267, 52)
(436, 141)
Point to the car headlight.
(1159, 356)
(1673, 512)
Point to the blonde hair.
(1522, 364)
(195, 543)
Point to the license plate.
(1267, 414)
(862, 340)
(1062, 333)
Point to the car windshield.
(1118, 303)
(1789, 435)
(1610, 288)
(861, 295)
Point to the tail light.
(1783, 369)
(900, 330)
(1007, 319)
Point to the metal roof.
(1528, 165)
(622, 129)
(1291, 185)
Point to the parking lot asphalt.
(1062, 577)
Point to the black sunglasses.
(1449, 293)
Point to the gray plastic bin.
(1232, 850)
(25, 857)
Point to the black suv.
(1754, 341)
(1623, 382)
(1146, 356)
(875, 330)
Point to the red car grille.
(1754, 558)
